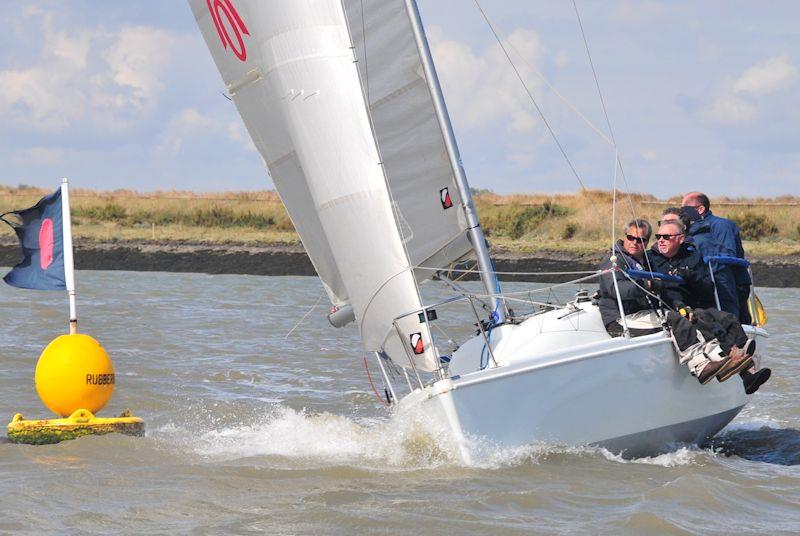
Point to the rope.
(594, 73)
(372, 384)
(468, 271)
(305, 315)
(528, 91)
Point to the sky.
(699, 95)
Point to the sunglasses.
(666, 236)
(637, 239)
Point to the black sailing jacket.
(696, 290)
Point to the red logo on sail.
(46, 243)
(232, 21)
(444, 196)
(416, 343)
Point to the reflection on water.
(769, 445)
(253, 430)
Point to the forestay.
(289, 67)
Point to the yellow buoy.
(80, 423)
(74, 372)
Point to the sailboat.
(342, 100)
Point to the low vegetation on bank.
(526, 223)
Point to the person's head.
(670, 236)
(675, 214)
(696, 205)
(636, 236)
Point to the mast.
(475, 231)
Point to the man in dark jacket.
(670, 255)
(630, 255)
(695, 294)
(714, 235)
(733, 282)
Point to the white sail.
(290, 69)
(409, 137)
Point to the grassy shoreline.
(577, 223)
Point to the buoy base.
(80, 423)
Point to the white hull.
(629, 395)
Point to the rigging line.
(617, 160)
(614, 204)
(594, 73)
(557, 93)
(468, 271)
(528, 91)
(550, 287)
(605, 110)
(305, 315)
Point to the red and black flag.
(41, 236)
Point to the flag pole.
(69, 267)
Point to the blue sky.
(701, 95)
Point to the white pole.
(69, 263)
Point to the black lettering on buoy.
(100, 379)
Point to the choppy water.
(251, 431)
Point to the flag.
(41, 236)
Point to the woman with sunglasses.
(630, 254)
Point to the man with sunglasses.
(671, 255)
(712, 342)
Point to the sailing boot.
(737, 361)
(753, 380)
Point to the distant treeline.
(569, 221)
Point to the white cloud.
(184, 125)
(773, 74)
(482, 88)
(85, 75)
(650, 155)
(561, 59)
(135, 61)
(33, 156)
(729, 110)
(740, 101)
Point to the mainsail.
(336, 101)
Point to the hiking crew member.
(630, 256)
(672, 256)
(711, 342)
(714, 235)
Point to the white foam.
(318, 439)
(753, 425)
(679, 457)
(407, 442)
